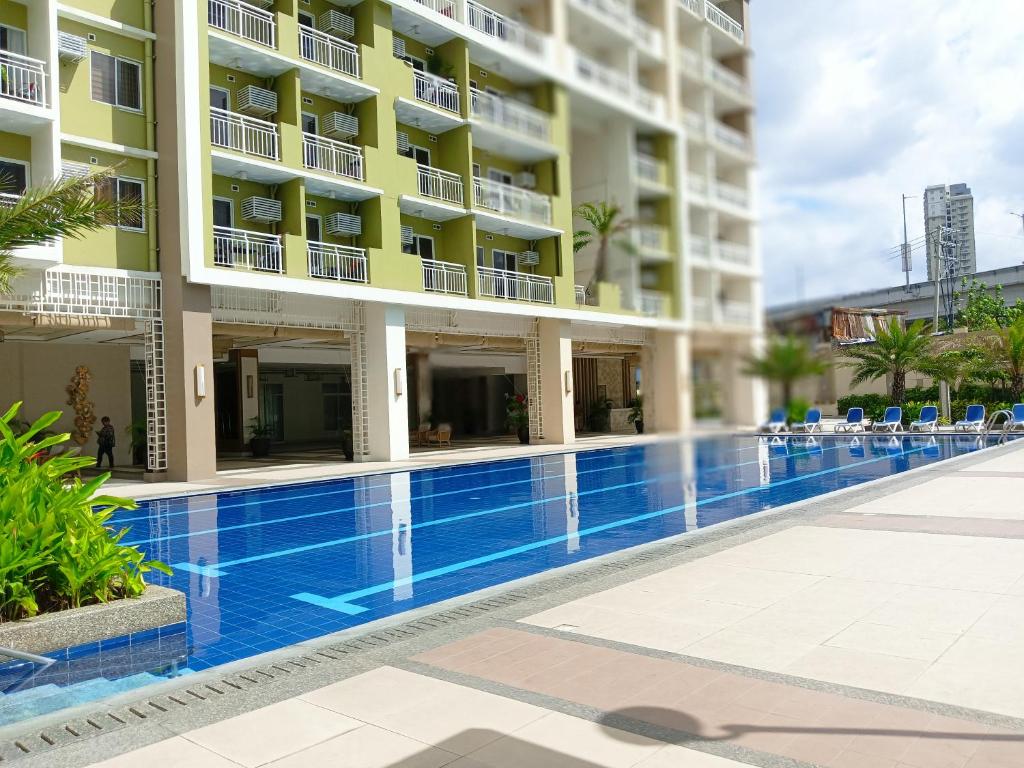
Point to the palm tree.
(954, 367)
(895, 352)
(68, 207)
(785, 361)
(1006, 357)
(604, 223)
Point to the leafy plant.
(796, 410)
(785, 361)
(895, 352)
(517, 411)
(637, 412)
(600, 415)
(436, 65)
(56, 548)
(981, 308)
(259, 428)
(604, 223)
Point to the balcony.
(241, 249)
(702, 310)
(734, 253)
(690, 63)
(8, 200)
(696, 7)
(336, 262)
(24, 79)
(581, 294)
(512, 201)
(614, 13)
(650, 169)
(510, 128)
(694, 122)
(611, 82)
(329, 51)
(652, 241)
(443, 277)
(729, 137)
(731, 194)
(444, 7)
(700, 247)
(732, 82)
(697, 184)
(515, 286)
(244, 134)
(648, 37)
(652, 303)
(335, 157)
(439, 185)
(737, 312)
(724, 22)
(436, 91)
(494, 25)
(242, 20)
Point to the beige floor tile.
(932, 610)
(748, 650)
(170, 753)
(955, 497)
(368, 747)
(560, 740)
(376, 693)
(893, 641)
(651, 632)
(1003, 621)
(858, 668)
(673, 756)
(270, 733)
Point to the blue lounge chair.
(973, 420)
(1016, 418)
(776, 422)
(892, 421)
(856, 448)
(855, 421)
(927, 420)
(811, 422)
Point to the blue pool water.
(266, 568)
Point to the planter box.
(158, 607)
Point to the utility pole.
(1019, 216)
(906, 244)
(943, 263)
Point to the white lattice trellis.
(360, 392)
(533, 380)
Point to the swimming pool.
(269, 567)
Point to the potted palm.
(136, 432)
(600, 415)
(346, 445)
(636, 415)
(517, 416)
(260, 434)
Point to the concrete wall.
(37, 373)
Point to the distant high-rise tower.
(950, 206)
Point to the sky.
(860, 101)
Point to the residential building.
(949, 229)
(360, 216)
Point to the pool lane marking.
(214, 570)
(344, 603)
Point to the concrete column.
(746, 403)
(556, 381)
(666, 383)
(386, 401)
(248, 367)
(424, 387)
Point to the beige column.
(248, 367)
(746, 401)
(665, 383)
(556, 381)
(424, 387)
(386, 395)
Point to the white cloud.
(861, 101)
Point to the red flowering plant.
(517, 412)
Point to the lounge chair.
(441, 436)
(856, 448)
(927, 420)
(776, 422)
(973, 420)
(855, 421)
(1016, 422)
(891, 421)
(811, 422)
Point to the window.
(116, 81)
(12, 39)
(120, 191)
(13, 177)
(421, 246)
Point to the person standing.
(106, 441)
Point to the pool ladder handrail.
(991, 425)
(43, 661)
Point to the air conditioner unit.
(398, 47)
(525, 179)
(262, 209)
(70, 47)
(344, 224)
(256, 101)
(337, 23)
(403, 142)
(72, 170)
(528, 258)
(338, 125)
(407, 236)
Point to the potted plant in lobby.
(259, 442)
(346, 445)
(136, 432)
(517, 416)
(600, 415)
(636, 415)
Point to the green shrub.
(56, 550)
(912, 409)
(873, 405)
(797, 410)
(922, 394)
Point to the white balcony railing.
(700, 247)
(651, 237)
(333, 156)
(444, 277)
(336, 262)
(737, 312)
(734, 253)
(724, 22)
(242, 249)
(512, 201)
(732, 194)
(510, 115)
(447, 8)
(702, 309)
(652, 303)
(581, 294)
(329, 51)
(438, 184)
(697, 184)
(515, 286)
(615, 12)
(648, 36)
(435, 90)
(243, 133)
(696, 7)
(694, 121)
(731, 137)
(729, 80)
(690, 61)
(8, 200)
(492, 24)
(616, 82)
(244, 20)
(23, 79)
(648, 101)
(649, 168)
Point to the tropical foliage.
(895, 352)
(981, 308)
(785, 361)
(517, 411)
(68, 207)
(605, 223)
(56, 549)
(1003, 359)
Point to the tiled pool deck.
(878, 628)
